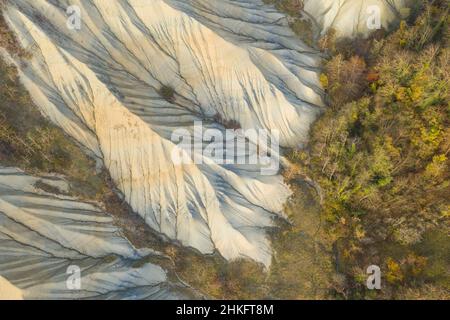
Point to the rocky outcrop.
(46, 237)
(225, 61)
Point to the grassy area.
(298, 21)
(301, 268)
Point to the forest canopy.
(381, 156)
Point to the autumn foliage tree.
(381, 156)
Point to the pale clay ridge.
(100, 84)
(349, 17)
(42, 234)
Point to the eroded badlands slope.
(42, 234)
(229, 60)
(350, 17)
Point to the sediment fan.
(231, 60)
(43, 235)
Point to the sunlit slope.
(231, 60)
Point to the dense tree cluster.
(381, 156)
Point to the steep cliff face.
(354, 17)
(223, 60)
(43, 234)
